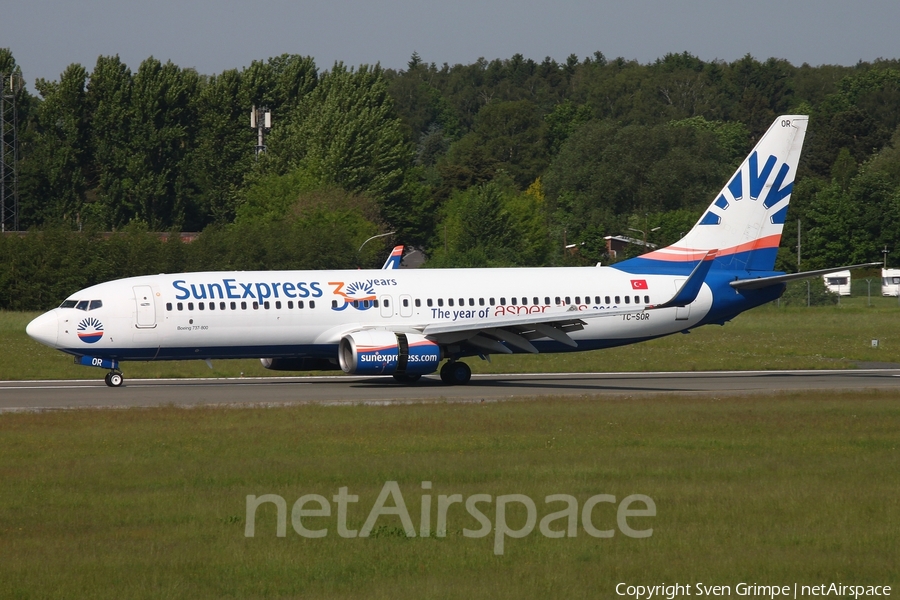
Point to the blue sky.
(213, 35)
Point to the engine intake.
(388, 353)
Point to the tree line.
(494, 163)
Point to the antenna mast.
(10, 86)
(261, 121)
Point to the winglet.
(691, 287)
(393, 261)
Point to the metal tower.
(261, 121)
(10, 86)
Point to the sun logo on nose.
(90, 330)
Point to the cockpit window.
(68, 304)
(96, 304)
(82, 305)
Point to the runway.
(269, 391)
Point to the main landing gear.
(455, 373)
(114, 379)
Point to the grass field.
(150, 503)
(768, 337)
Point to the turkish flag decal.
(639, 284)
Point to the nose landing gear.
(114, 379)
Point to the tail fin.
(393, 260)
(745, 221)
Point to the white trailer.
(838, 282)
(890, 282)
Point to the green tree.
(488, 226)
(54, 174)
(162, 133)
(224, 150)
(109, 106)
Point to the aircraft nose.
(44, 329)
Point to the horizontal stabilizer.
(761, 282)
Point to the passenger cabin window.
(627, 299)
(169, 306)
(449, 301)
(179, 306)
(255, 305)
(201, 305)
(481, 302)
(512, 300)
(547, 300)
(428, 302)
(278, 304)
(502, 301)
(312, 303)
(577, 299)
(617, 300)
(266, 305)
(290, 304)
(440, 301)
(646, 299)
(212, 306)
(243, 305)
(299, 303)
(568, 300)
(471, 301)
(491, 303)
(222, 306)
(190, 306)
(234, 306)
(607, 300)
(536, 300)
(386, 302)
(418, 303)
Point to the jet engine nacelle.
(388, 353)
(300, 364)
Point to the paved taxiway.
(38, 395)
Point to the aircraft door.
(406, 306)
(146, 307)
(682, 313)
(387, 308)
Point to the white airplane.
(407, 322)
